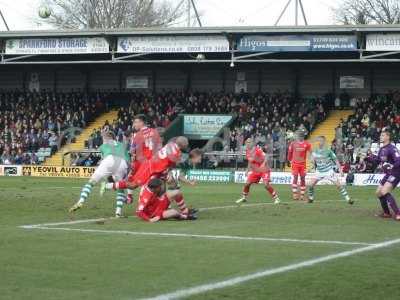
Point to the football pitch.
(324, 250)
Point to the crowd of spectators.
(85, 159)
(31, 121)
(266, 115)
(273, 117)
(270, 118)
(356, 135)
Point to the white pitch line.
(236, 206)
(200, 236)
(65, 223)
(47, 188)
(266, 203)
(267, 272)
(200, 209)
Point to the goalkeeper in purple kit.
(389, 159)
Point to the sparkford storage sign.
(57, 46)
(53, 171)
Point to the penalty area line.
(200, 236)
(183, 293)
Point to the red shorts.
(142, 174)
(135, 165)
(162, 205)
(298, 170)
(255, 177)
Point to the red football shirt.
(297, 153)
(145, 143)
(256, 158)
(166, 158)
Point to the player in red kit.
(154, 203)
(297, 156)
(257, 169)
(166, 158)
(145, 143)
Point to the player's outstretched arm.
(336, 162)
(308, 153)
(290, 153)
(396, 159)
(141, 214)
(249, 167)
(313, 165)
(154, 219)
(339, 167)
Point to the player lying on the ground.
(154, 203)
(145, 143)
(389, 159)
(115, 160)
(166, 158)
(257, 169)
(297, 156)
(324, 163)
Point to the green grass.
(54, 264)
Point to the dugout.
(305, 60)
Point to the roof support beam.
(130, 56)
(166, 61)
(253, 55)
(282, 13)
(367, 57)
(18, 57)
(4, 21)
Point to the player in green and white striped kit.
(324, 163)
(115, 162)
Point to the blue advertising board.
(292, 43)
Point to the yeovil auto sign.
(173, 44)
(288, 43)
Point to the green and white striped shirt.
(114, 148)
(325, 160)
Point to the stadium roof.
(361, 54)
(204, 30)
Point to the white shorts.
(331, 176)
(110, 166)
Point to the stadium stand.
(258, 115)
(267, 117)
(357, 136)
(33, 125)
(80, 141)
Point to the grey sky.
(20, 14)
